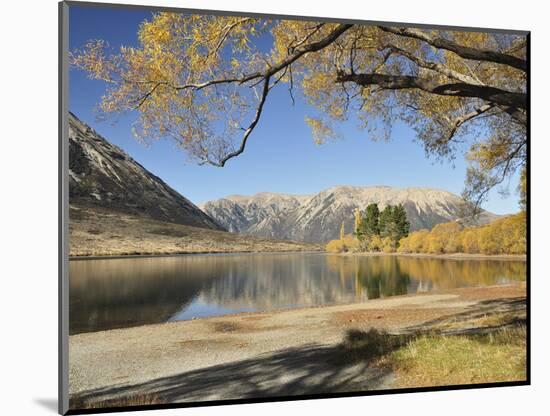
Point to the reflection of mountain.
(318, 217)
(121, 293)
(279, 281)
(128, 292)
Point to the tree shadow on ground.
(311, 369)
(510, 312)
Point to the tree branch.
(297, 54)
(457, 89)
(292, 47)
(145, 96)
(266, 76)
(265, 91)
(434, 66)
(462, 51)
(467, 117)
(227, 30)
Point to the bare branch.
(291, 87)
(467, 117)
(265, 91)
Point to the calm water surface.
(118, 293)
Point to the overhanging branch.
(265, 77)
(248, 130)
(459, 121)
(434, 66)
(457, 89)
(465, 52)
(272, 70)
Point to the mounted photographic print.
(263, 208)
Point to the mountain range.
(118, 207)
(103, 177)
(318, 218)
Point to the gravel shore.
(259, 354)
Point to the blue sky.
(280, 156)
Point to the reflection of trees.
(448, 274)
(394, 275)
(127, 292)
(377, 276)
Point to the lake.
(125, 292)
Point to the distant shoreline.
(453, 256)
(187, 253)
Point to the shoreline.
(368, 304)
(453, 256)
(187, 253)
(137, 360)
(450, 256)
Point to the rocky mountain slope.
(102, 175)
(317, 218)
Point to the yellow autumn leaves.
(503, 236)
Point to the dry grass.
(360, 345)
(101, 232)
(483, 348)
(435, 360)
(488, 321)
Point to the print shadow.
(48, 404)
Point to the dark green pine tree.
(369, 225)
(401, 224)
(387, 222)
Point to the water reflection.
(118, 293)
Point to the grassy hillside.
(103, 232)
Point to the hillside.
(117, 207)
(104, 176)
(317, 218)
(102, 232)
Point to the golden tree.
(503, 236)
(204, 81)
(356, 220)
